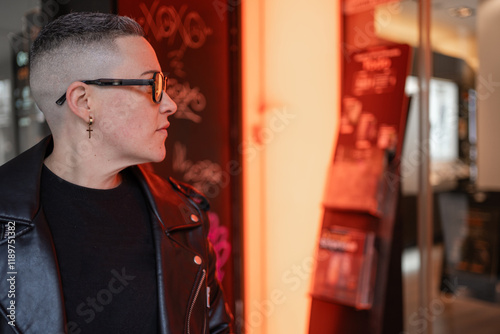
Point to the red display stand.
(358, 257)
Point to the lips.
(164, 127)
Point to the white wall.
(488, 95)
(291, 90)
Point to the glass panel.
(463, 103)
(464, 98)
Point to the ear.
(77, 97)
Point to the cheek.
(115, 124)
(124, 116)
(118, 116)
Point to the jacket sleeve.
(220, 317)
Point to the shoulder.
(27, 162)
(20, 182)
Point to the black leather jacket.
(190, 297)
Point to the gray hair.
(82, 28)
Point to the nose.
(167, 105)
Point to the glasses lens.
(158, 87)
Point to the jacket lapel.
(174, 229)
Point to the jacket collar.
(165, 202)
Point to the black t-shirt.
(104, 245)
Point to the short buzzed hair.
(69, 38)
(82, 28)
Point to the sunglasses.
(159, 83)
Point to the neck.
(86, 170)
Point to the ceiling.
(443, 12)
(450, 35)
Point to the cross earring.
(91, 121)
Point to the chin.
(151, 154)
(159, 157)
(157, 160)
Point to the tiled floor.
(446, 313)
